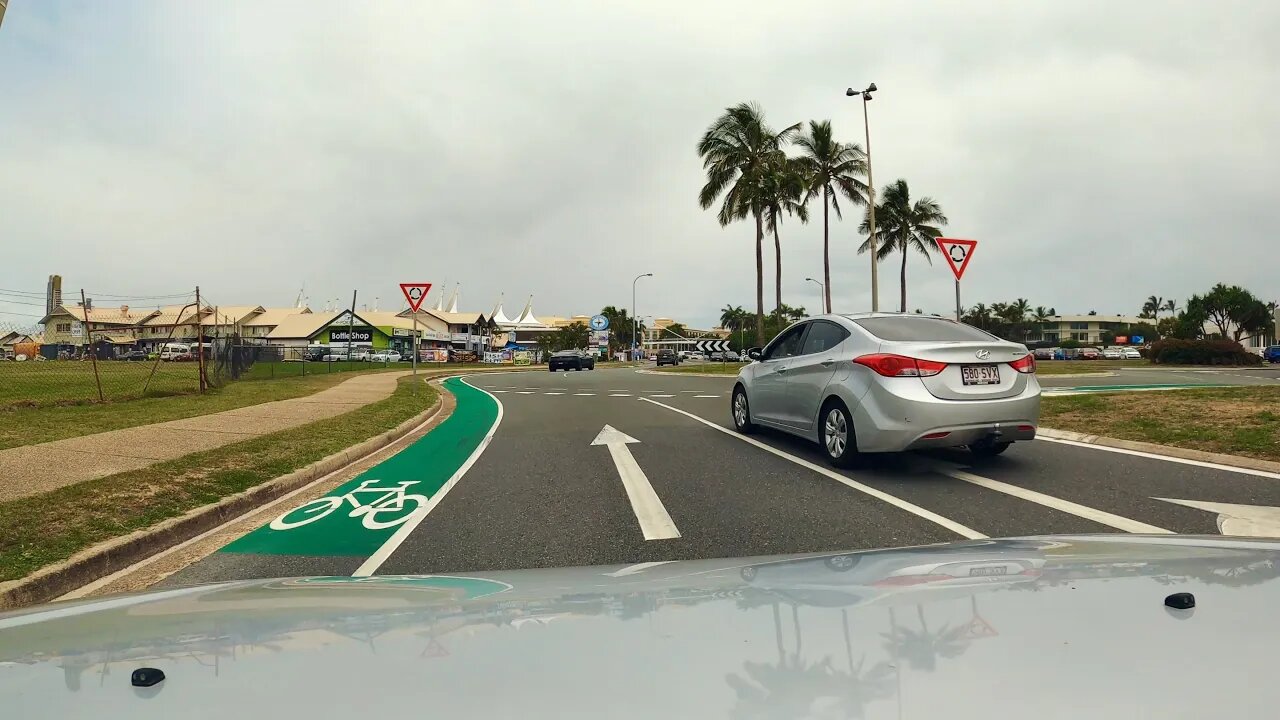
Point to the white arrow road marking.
(1233, 519)
(655, 523)
(637, 568)
(1099, 516)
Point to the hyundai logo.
(983, 354)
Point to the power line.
(7, 301)
(27, 293)
(139, 297)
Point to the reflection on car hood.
(1038, 627)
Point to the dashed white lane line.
(710, 396)
(497, 392)
(952, 525)
(524, 392)
(1055, 503)
(552, 393)
(619, 394)
(662, 396)
(583, 394)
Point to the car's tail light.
(890, 365)
(1024, 364)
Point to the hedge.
(1201, 352)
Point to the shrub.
(1201, 352)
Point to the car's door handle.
(827, 363)
(782, 368)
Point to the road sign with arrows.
(957, 252)
(415, 293)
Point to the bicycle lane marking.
(428, 468)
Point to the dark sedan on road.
(134, 355)
(666, 357)
(571, 360)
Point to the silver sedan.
(887, 382)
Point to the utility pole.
(351, 321)
(200, 341)
(88, 334)
(871, 199)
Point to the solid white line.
(371, 565)
(953, 526)
(655, 522)
(1166, 458)
(1099, 516)
(637, 568)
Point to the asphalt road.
(1264, 375)
(542, 495)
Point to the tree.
(831, 169)
(979, 315)
(1040, 314)
(1019, 308)
(1152, 307)
(902, 225)
(736, 151)
(1234, 310)
(620, 328)
(570, 337)
(784, 193)
(788, 313)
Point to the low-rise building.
(69, 329)
(1084, 329)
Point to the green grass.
(704, 368)
(40, 530)
(58, 382)
(1231, 420)
(25, 425)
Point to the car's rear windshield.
(924, 329)
(564, 353)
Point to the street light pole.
(822, 294)
(871, 192)
(635, 319)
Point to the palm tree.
(783, 192)
(832, 169)
(1152, 307)
(737, 151)
(1040, 314)
(732, 317)
(902, 225)
(980, 314)
(1170, 306)
(1018, 309)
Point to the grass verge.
(707, 369)
(32, 425)
(43, 529)
(1236, 420)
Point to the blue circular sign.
(599, 322)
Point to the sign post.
(957, 252)
(415, 293)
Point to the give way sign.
(957, 252)
(415, 293)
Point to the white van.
(170, 351)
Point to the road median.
(1232, 426)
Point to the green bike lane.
(334, 535)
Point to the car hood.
(1074, 626)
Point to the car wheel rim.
(837, 433)
(740, 410)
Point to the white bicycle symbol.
(392, 503)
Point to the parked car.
(1271, 354)
(732, 356)
(1131, 353)
(666, 357)
(1043, 353)
(183, 357)
(695, 356)
(653, 357)
(170, 351)
(881, 382)
(133, 355)
(334, 355)
(1089, 354)
(385, 356)
(1112, 353)
(571, 360)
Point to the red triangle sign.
(415, 293)
(957, 252)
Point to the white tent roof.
(527, 318)
(453, 301)
(498, 316)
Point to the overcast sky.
(1099, 152)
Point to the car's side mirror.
(754, 353)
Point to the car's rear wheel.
(741, 409)
(987, 448)
(836, 431)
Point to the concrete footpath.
(34, 469)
